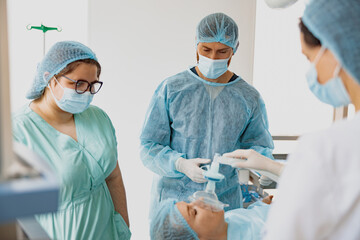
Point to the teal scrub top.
(86, 210)
(247, 223)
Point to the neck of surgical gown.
(86, 210)
(247, 223)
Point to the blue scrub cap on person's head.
(55, 60)
(218, 27)
(168, 223)
(336, 24)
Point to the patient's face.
(201, 220)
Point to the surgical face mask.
(71, 101)
(332, 92)
(212, 68)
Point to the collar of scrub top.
(212, 83)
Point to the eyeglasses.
(82, 86)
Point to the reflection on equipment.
(27, 184)
(280, 3)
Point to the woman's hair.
(309, 38)
(72, 66)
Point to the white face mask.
(71, 101)
(333, 92)
(212, 68)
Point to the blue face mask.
(211, 68)
(332, 92)
(71, 101)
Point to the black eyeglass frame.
(89, 85)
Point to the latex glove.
(190, 167)
(245, 159)
(251, 159)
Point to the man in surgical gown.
(199, 112)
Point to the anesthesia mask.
(207, 198)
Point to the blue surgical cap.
(336, 23)
(55, 60)
(218, 27)
(168, 223)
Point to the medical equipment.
(44, 29)
(208, 197)
(280, 3)
(27, 185)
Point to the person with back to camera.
(324, 170)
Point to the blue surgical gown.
(86, 210)
(190, 117)
(247, 223)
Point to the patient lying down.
(180, 220)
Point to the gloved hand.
(190, 167)
(251, 159)
(245, 159)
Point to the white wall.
(139, 43)
(26, 47)
(279, 73)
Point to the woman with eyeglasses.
(78, 141)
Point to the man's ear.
(45, 76)
(236, 48)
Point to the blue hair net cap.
(218, 27)
(55, 60)
(336, 24)
(168, 223)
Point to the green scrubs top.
(86, 210)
